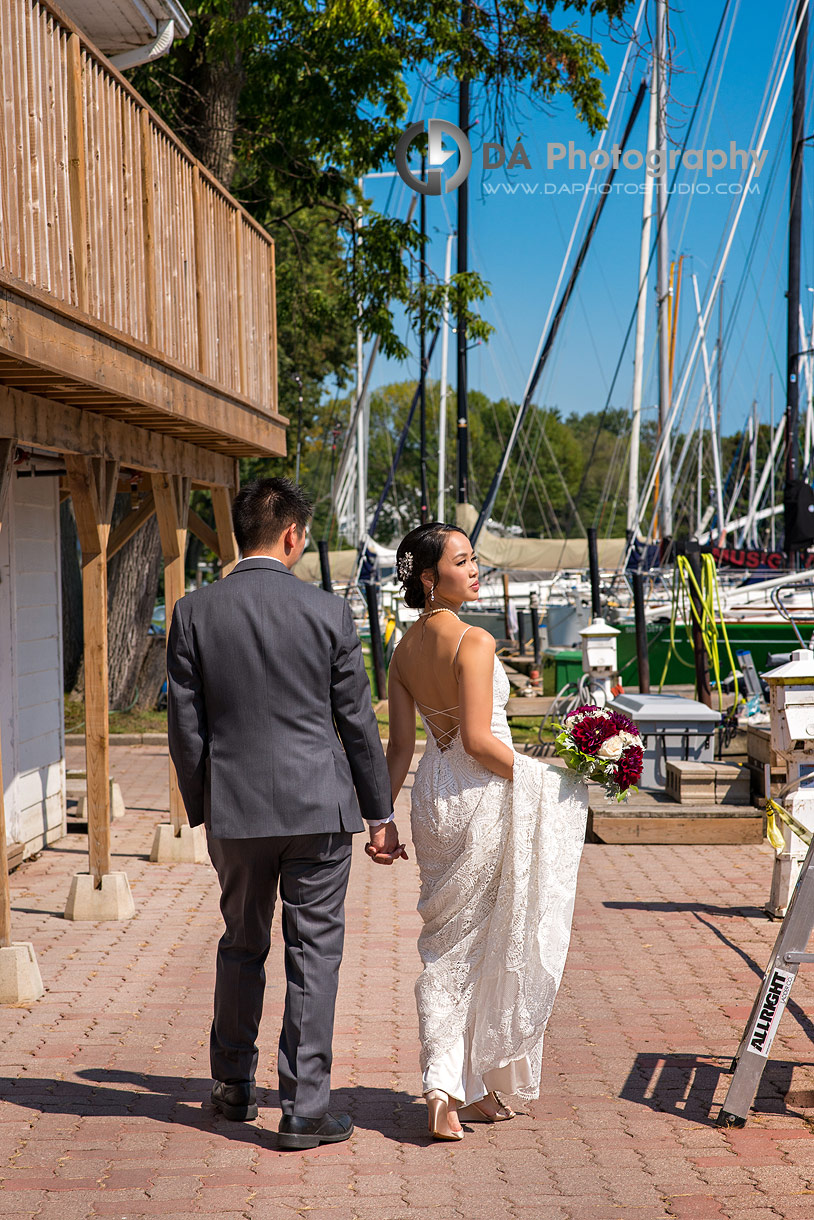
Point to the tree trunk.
(221, 81)
(153, 674)
(132, 583)
(71, 577)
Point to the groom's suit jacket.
(271, 726)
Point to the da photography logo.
(435, 182)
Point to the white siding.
(31, 664)
(7, 689)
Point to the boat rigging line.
(690, 361)
(685, 144)
(491, 495)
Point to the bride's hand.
(384, 846)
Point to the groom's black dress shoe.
(235, 1101)
(294, 1132)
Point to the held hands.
(384, 846)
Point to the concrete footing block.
(112, 900)
(20, 980)
(77, 789)
(187, 848)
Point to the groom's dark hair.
(264, 508)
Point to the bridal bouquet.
(604, 746)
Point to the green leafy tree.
(290, 103)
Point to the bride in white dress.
(498, 838)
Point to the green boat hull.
(760, 639)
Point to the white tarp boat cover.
(538, 554)
(534, 555)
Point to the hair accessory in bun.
(405, 567)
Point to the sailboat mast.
(361, 422)
(662, 273)
(772, 527)
(795, 228)
(463, 241)
(749, 537)
(442, 404)
(422, 383)
(641, 319)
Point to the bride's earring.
(432, 595)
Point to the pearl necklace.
(437, 610)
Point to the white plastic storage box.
(672, 728)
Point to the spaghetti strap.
(443, 738)
(463, 633)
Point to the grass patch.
(120, 722)
(524, 728)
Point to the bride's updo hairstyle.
(421, 549)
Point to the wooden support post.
(130, 525)
(203, 531)
(7, 448)
(77, 172)
(92, 483)
(171, 493)
(227, 543)
(148, 221)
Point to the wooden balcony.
(132, 284)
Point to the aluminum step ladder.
(787, 956)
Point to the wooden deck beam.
(63, 429)
(57, 338)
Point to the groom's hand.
(384, 846)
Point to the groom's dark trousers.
(275, 744)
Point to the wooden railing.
(104, 209)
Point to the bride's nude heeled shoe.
(438, 1116)
(475, 1113)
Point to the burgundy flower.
(577, 711)
(628, 770)
(591, 731)
(623, 724)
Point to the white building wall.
(31, 665)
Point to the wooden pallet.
(652, 817)
(15, 855)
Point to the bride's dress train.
(498, 861)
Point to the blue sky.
(517, 240)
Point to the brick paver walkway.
(105, 1083)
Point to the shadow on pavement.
(802, 1018)
(685, 1085)
(707, 908)
(184, 1100)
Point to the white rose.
(630, 739)
(612, 748)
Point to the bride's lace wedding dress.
(498, 861)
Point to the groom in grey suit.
(276, 748)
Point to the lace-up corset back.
(443, 738)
